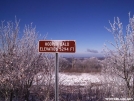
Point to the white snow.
(79, 78)
(82, 79)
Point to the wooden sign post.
(57, 46)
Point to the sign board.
(61, 46)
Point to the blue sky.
(80, 20)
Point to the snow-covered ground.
(82, 79)
(79, 78)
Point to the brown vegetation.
(76, 65)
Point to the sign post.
(57, 46)
(56, 78)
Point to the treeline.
(86, 65)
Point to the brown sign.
(65, 46)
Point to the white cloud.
(92, 51)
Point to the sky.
(79, 20)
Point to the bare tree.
(20, 60)
(120, 61)
(44, 80)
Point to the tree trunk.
(11, 95)
(133, 87)
(27, 95)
